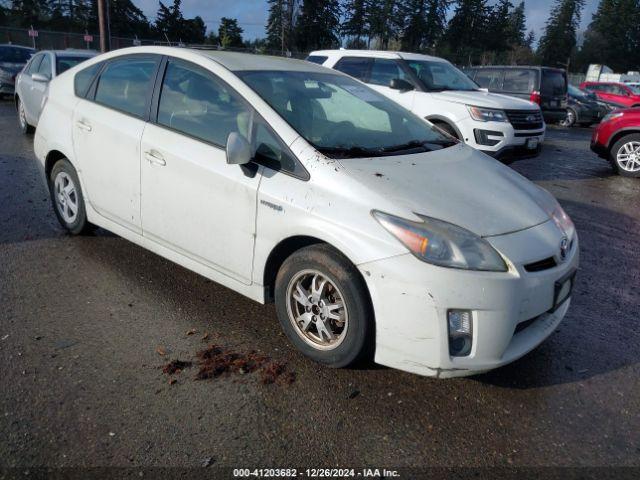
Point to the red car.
(618, 94)
(617, 139)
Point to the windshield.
(576, 92)
(439, 76)
(343, 118)
(65, 63)
(14, 55)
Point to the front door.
(107, 129)
(193, 202)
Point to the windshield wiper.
(348, 152)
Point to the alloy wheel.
(317, 310)
(21, 115)
(66, 197)
(628, 157)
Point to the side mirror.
(39, 77)
(238, 149)
(399, 84)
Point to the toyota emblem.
(564, 248)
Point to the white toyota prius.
(374, 234)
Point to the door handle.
(154, 158)
(83, 126)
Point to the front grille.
(525, 119)
(541, 265)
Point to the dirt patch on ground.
(216, 361)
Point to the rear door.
(489, 78)
(107, 129)
(553, 89)
(193, 202)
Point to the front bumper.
(510, 144)
(411, 299)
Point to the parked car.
(617, 139)
(280, 179)
(12, 59)
(544, 86)
(33, 82)
(618, 94)
(434, 89)
(584, 108)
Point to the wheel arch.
(439, 119)
(52, 157)
(620, 134)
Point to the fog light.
(460, 332)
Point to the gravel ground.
(84, 320)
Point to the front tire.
(25, 128)
(67, 198)
(324, 307)
(625, 156)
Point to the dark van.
(542, 85)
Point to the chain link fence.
(50, 40)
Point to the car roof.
(16, 46)
(532, 67)
(378, 54)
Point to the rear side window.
(519, 81)
(554, 82)
(193, 102)
(125, 85)
(384, 70)
(489, 79)
(83, 78)
(319, 59)
(357, 67)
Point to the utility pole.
(103, 22)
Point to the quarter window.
(319, 59)
(34, 64)
(193, 102)
(384, 70)
(45, 66)
(357, 67)
(83, 78)
(125, 85)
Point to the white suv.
(503, 127)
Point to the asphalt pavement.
(87, 324)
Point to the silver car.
(12, 59)
(33, 82)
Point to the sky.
(252, 14)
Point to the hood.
(11, 68)
(485, 99)
(458, 185)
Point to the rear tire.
(625, 155)
(25, 128)
(324, 307)
(570, 120)
(67, 198)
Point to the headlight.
(443, 244)
(562, 220)
(611, 116)
(487, 114)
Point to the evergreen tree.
(280, 25)
(169, 21)
(382, 21)
(318, 25)
(613, 36)
(498, 34)
(517, 31)
(230, 33)
(466, 32)
(355, 23)
(25, 13)
(559, 39)
(436, 22)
